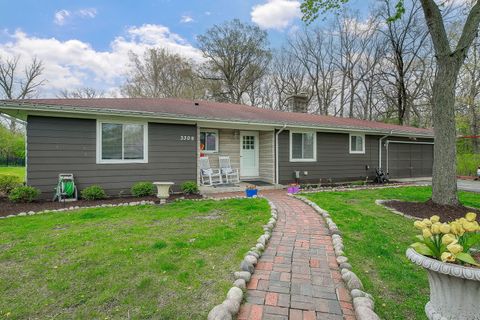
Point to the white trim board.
(356, 134)
(98, 150)
(314, 159)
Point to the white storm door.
(249, 156)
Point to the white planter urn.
(454, 289)
(163, 189)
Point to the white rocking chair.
(208, 175)
(231, 175)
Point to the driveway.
(465, 185)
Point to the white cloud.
(73, 63)
(87, 12)
(186, 19)
(276, 14)
(60, 17)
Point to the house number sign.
(187, 138)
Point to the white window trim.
(350, 143)
(314, 159)
(216, 141)
(116, 161)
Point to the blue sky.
(86, 43)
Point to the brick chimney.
(299, 102)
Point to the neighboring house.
(117, 142)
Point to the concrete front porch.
(238, 187)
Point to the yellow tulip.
(471, 216)
(434, 219)
(470, 227)
(448, 238)
(445, 228)
(436, 228)
(454, 247)
(427, 222)
(447, 257)
(419, 225)
(426, 233)
(456, 228)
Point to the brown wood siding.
(68, 145)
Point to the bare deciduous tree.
(161, 74)
(450, 56)
(237, 57)
(81, 93)
(19, 84)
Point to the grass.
(13, 171)
(146, 262)
(375, 243)
(467, 164)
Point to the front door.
(249, 154)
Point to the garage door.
(410, 160)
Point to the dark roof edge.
(168, 116)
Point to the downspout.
(380, 149)
(276, 153)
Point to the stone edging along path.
(230, 307)
(362, 302)
(72, 208)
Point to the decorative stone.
(346, 265)
(260, 247)
(364, 313)
(253, 253)
(232, 306)
(219, 312)
(351, 279)
(235, 294)
(342, 259)
(240, 283)
(245, 275)
(262, 240)
(246, 266)
(251, 259)
(363, 302)
(22, 214)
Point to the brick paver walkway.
(297, 277)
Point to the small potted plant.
(293, 188)
(251, 191)
(445, 251)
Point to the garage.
(409, 159)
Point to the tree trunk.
(445, 164)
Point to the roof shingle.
(220, 111)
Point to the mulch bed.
(8, 208)
(428, 209)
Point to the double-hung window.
(357, 143)
(119, 142)
(209, 141)
(303, 146)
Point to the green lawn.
(169, 262)
(375, 243)
(15, 171)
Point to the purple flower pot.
(251, 193)
(294, 189)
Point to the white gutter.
(276, 153)
(380, 149)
